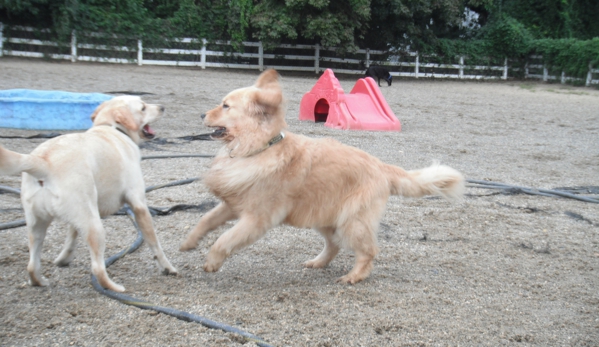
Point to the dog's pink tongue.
(149, 130)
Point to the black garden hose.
(13, 224)
(198, 137)
(171, 184)
(177, 156)
(10, 190)
(129, 300)
(38, 136)
(531, 191)
(186, 316)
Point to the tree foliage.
(412, 23)
(561, 30)
(556, 19)
(330, 23)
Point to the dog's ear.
(123, 116)
(266, 78)
(269, 91)
(98, 110)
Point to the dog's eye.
(225, 106)
(143, 108)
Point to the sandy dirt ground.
(495, 269)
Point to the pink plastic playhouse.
(364, 108)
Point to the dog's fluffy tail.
(433, 180)
(12, 163)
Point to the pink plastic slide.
(364, 108)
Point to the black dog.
(378, 72)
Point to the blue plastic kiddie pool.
(48, 110)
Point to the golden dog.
(79, 178)
(266, 176)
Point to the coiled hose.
(186, 316)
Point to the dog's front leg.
(212, 220)
(96, 239)
(144, 220)
(247, 231)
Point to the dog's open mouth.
(148, 132)
(219, 132)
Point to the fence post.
(1, 38)
(417, 67)
(563, 79)
(316, 58)
(504, 77)
(73, 46)
(367, 58)
(461, 74)
(140, 54)
(545, 74)
(589, 75)
(203, 55)
(261, 58)
(526, 69)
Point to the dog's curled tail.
(12, 163)
(433, 180)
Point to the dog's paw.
(40, 281)
(64, 258)
(212, 265)
(165, 266)
(170, 271)
(117, 288)
(110, 285)
(187, 246)
(106, 282)
(62, 262)
(210, 268)
(349, 279)
(315, 264)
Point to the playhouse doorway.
(321, 111)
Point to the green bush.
(569, 55)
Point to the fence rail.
(189, 52)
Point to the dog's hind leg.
(247, 231)
(37, 228)
(144, 220)
(331, 248)
(66, 256)
(211, 220)
(362, 240)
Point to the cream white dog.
(79, 178)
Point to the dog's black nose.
(203, 115)
(162, 108)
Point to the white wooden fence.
(196, 53)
